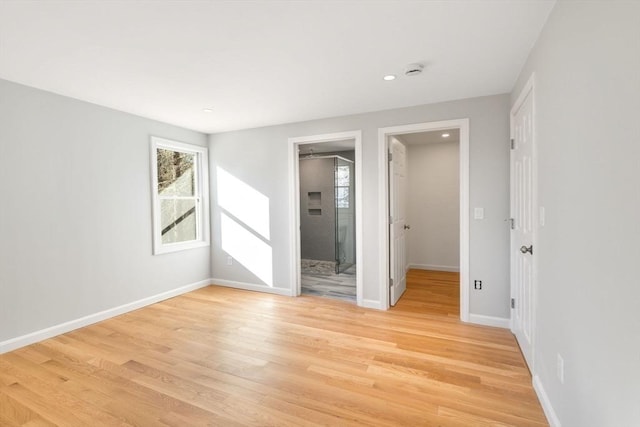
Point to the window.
(180, 203)
(343, 182)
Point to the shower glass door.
(345, 215)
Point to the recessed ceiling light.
(207, 110)
(445, 135)
(389, 77)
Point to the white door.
(523, 225)
(397, 223)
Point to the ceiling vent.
(413, 69)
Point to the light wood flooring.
(226, 357)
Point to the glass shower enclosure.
(345, 214)
(327, 214)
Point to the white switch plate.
(478, 213)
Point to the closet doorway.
(389, 263)
(327, 216)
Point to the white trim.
(294, 219)
(451, 268)
(294, 206)
(383, 197)
(251, 287)
(552, 418)
(372, 303)
(498, 322)
(33, 337)
(464, 220)
(528, 87)
(201, 194)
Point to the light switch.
(541, 216)
(478, 213)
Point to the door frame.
(528, 89)
(294, 205)
(383, 207)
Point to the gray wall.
(318, 232)
(587, 126)
(433, 206)
(75, 213)
(259, 157)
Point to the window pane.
(178, 220)
(342, 176)
(175, 173)
(342, 197)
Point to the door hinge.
(390, 157)
(512, 223)
(390, 283)
(513, 303)
(513, 143)
(390, 220)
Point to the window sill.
(177, 247)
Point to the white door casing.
(383, 205)
(294, 208)
(397, 215)
(523, 217)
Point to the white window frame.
(201, 163)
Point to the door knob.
(525, 249)
(407, 227)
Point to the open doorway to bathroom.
(327, 216)
(327, 219)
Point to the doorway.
(428, 207)
(391, 265)
(326, 216)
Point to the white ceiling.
(328, 147)
(260, 63)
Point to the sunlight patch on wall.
(247, 248)
(243, 202)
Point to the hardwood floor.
(226, 357)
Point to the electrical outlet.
(560, 369)
(477, 284)
(229, 260)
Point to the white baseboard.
(371, 303)
(366, 303)
(43, 334)
(545, 402)
(451, 268)
(498, 322)
(251, 287)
